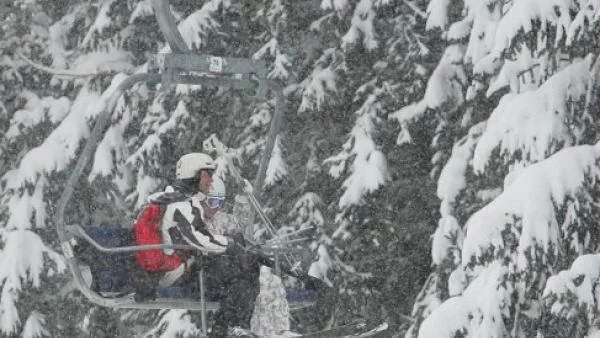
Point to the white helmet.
(189, 165)
(217, 188)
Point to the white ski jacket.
(184, 220)
(239, 221)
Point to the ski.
(355, 330)
(375, 331)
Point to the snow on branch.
(522, 15)
(319, 85)
(305, 212)
(571, 293)
(268, 49)
(338, 5)
(446, 84)
(196, 27)
(485, 306)
(156, 125)
(281, 64)
(531, 197)
(57, 72)
(534, 123)
(437, 14)
(53, 155)
(23, 259)
(35, 111)
(449, 236)
(404, 116)
(588, 14)
(152, 144)
(277, 17)
(106, 61)
(277, 168)
(362, 26)
(475, 313)
(35, 326)
(493, 30)
(111, 145)
(444, 87)
(484, 17)
(141, 9)
(452, 179)
(22, 206)
(321, 266)
(101, 22)
(369, 168)
(174, 323)
(112, 152)
(60, 146)
(280, 67)
(415, 8)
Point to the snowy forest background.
(445, 150)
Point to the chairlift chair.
(179, 67)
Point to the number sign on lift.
(215, 64)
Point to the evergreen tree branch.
(63, 73)
(590, 97)
(415, 8)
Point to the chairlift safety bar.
(78, 231)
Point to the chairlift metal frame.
(181, 66)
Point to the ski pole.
(213, 144)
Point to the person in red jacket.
(185, 208)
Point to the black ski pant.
(235, 278)
(238, 277)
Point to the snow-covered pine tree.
(355, 93)
(49, 116)
(518, 187)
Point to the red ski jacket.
(146, 231)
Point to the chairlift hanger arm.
(92, 143)
(183, 59)
(207, 64)
(182, 55)
(167, 24)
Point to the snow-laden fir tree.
(363, 55)
(515, 96)
(49, 117)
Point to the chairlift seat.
(110, 271)
(113, 272)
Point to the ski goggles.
(214, 202)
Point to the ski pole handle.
(311, 282)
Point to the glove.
(235, 244)
(248, 189)
(238, 237)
